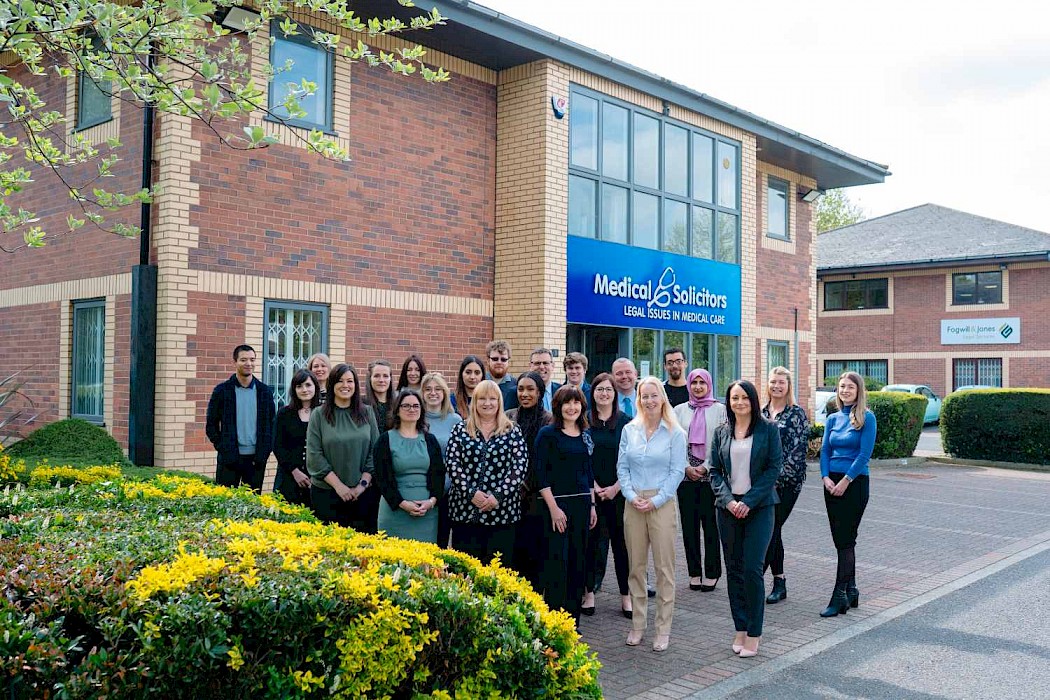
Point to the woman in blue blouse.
(849, 437)
(650, 466)
(565, 475)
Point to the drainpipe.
(143, 385)
(794, 384)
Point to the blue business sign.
(616, 285)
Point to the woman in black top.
(565, 476)
(289, 439)
(471, 371)
(530, 416)
(412, 371)
(607, 422)
(379, 393)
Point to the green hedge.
(1005, 425)
(70, 439)
(174, 588)
(899, 417)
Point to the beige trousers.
(655, 530)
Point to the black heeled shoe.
(853, 594)
(839, 604)
(779, 592)
(707, 589)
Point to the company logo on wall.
(616, 285)
(981, 331)
(1006, 330)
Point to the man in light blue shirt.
(625, 377)
(541, 361)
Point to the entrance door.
(601, 344)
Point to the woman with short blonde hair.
(487, 460)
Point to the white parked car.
(820, 412)
(933, 402)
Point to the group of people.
(551, 477)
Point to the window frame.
(288, 305)
(861, 367)
(786, 346)
(84, 79)
(772, 183)
(80, 305)
(663, 196)
(303, 39)
(956, 362)
(866, 292)
(976, 288)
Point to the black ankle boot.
(852, 593)
(779, 592)
(839, 603)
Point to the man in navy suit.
(541, 361)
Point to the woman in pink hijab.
(696, 502)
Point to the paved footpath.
(928, 531)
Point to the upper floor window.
(297, 58)
(638, 178)
(777, 208)
(94, 104)
(852, 295)
(977, 288)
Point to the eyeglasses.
(499, 359)
(542, 364)
(410, 407)
(603, 390)
(675, 362)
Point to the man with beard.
(675, 369)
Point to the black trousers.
(744, 542)
(608, 531)
(483, 541)
(444, 523)
(775, 553)
(330, 509)
(844, 516)
(243, 471)
(696, 506)
(284, 484)
(564, 570)
(530, 548)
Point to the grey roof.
(924, 236)
(492, 39)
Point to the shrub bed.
(70, 439)
(1007, 425)
(178, 588)
(899, 417)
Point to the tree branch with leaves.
(175, 56)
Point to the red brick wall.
(87, 252)
(30, 343)
(1030, 372)
(220, 328)
(413, 210)
(929, 372)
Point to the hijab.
(698, 426)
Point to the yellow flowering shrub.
(11, 470)
(194, 590)
(46, 474)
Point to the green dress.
(411, 464)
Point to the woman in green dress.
(410, 472)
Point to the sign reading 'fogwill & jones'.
(981, 331)
(610, 284)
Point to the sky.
(953, 96)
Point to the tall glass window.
(89, 360)
(94, 104)
(717, 354)
(293, 333)
(639, 178)
(776, 208)
(309, 62)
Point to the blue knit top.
(845, 449)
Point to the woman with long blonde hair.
(487, 461)
(849, 438)
(650, 466)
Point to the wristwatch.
(364, 483)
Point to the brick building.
(935, 296)
(467, 212)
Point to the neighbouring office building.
(549, 195)
(935, 296)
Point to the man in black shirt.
(674, 367)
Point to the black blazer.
(221, 423)
(767, 458)
(383, 460)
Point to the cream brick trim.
(89, 288)
(93, 135)
(255, 327)
(934, 355)
(65, 359)
(821, 313)
(337, 331)
(750, 353)
(110, 350)
(335, 294)
(770, 333)
(976, 308)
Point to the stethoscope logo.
(662, 294)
